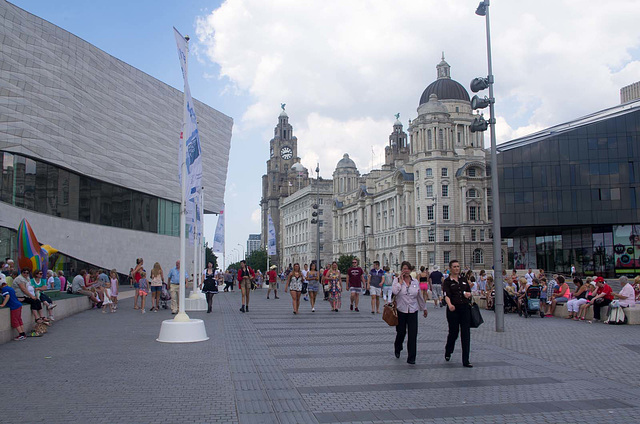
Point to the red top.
(355, 276)
(272, 276)
(253, 275)
(607, 290)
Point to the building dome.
(433, 105)
(445, 89)
(346, 162)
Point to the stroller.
(165, 297)
(531, 302)
(510, 304)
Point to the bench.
(632, 314)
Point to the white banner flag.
(189, 138)
(271, 240)
(218, 238)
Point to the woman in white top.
(409, 301)
(157, 278)
(294, 283)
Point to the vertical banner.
(271, 240)
(218, 238)
(189, 138)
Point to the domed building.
(431, 201)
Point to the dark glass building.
(569, 195)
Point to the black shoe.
(397, 354)
(247, 309)
(209, 311)
(242, 309)
(447, 357)
(411, 361)
(267, 297)
(277, 297)
(469, 365)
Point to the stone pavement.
(270, 366)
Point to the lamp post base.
(190, 331)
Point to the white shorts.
(356, 290)
(375, 291)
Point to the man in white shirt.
(627, 294)
(529, 276)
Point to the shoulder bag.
(476, 316)
(390, 313)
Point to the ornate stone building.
(284, 176)
(431, 201)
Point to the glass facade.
(571, 198)
(46, 188)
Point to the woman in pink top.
(561, 296)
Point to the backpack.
(615, 314)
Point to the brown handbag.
(390, 314)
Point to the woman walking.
(245, 275)
(157, 278)
(409, 301)
(136, 274)
(457, 295)
(333, 278)
(294, 283)
(210, 285)
(424, 282)
(313, 280)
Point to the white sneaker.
(313, 309)
(144, 311)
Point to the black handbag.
(476, 316)
(304, 288)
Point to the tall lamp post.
(479, 124)
(242, 247)
(365, 245)
(315, 216)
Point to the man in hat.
(435, 282)
(272, 280)
(603, 297)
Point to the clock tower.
(280, 180)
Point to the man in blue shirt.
(10, 299)
(174, 286)
(376, 275)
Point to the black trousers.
(598, 305)
(459, 321)
(35, 304)
(407, 321)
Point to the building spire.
(443, 68)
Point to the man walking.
(174, 286)
(272, 280)
(355, 280)
(375, 286)
(435, 282)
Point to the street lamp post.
(365, 245)
(318, 224)
(242, 247)
(476, 85)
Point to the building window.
(417, 174)
(489, 211)
(445, 212)
(432, 235)
(429, 213)
(472, 193)
(459, 135)
(473, 235)
(432, 258)
(471, 172)
(447, 235)
(418, 214)
(488, 192)
(473, 213)
(428, 173)
(429, 191)
(445, 190)
(478, 257)
(446, 256)
(481, 235)
(417, 192)
(445, 172)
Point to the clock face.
(286, 153)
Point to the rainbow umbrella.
(31, 255)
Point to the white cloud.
(255, 216)
(344, 68)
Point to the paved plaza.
(270, 366)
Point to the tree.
(210, 256)
(344, 263)
(258, 260)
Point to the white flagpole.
(194, 294)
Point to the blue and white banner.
(218, 238)
(271, 240)
(189, 150)
(194, 217)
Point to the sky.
(344, 68)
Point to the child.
(107, 297)
(10, 298)
(113, 275)
(143, 289)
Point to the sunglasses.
(25, 272)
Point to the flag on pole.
(271, 240)
(218, 238)
(189, 138)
